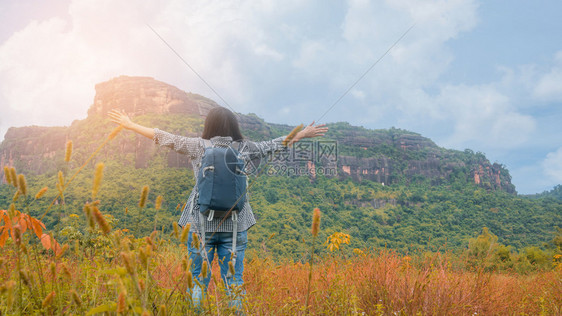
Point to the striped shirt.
(253, 153)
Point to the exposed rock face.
(384, 156)
(375, 169)
(491, 176)
(140, 95)
(439, 171)
(32, 148)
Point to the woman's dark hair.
(221, 122)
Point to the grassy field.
(118, 274)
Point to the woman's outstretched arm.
(119, 117)
(261, 149)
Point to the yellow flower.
(336, 239)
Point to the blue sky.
(480, 75)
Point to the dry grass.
(385, 283)
(144, 274)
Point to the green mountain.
(383, 187)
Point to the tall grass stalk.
(68, 151)
(315, 229)
(18, 262)
(14, 177)
(7, 175)
(98, 175)
(39, 269)
(31, 284)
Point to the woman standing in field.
(221, 129)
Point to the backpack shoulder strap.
(237, 145)
(206, 143)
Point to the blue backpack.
(221, 181)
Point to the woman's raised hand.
(121, 118)
(310, 131)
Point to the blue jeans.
(221, 243)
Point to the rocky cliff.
(391, 156)
(385, 156)
(141, 95)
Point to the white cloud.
(311, 58)
(552, 165)
(49, 68)
(396, 84)
(264, 50)
(45, 74)
(358, 94)
(549, 86)
(481, 115)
